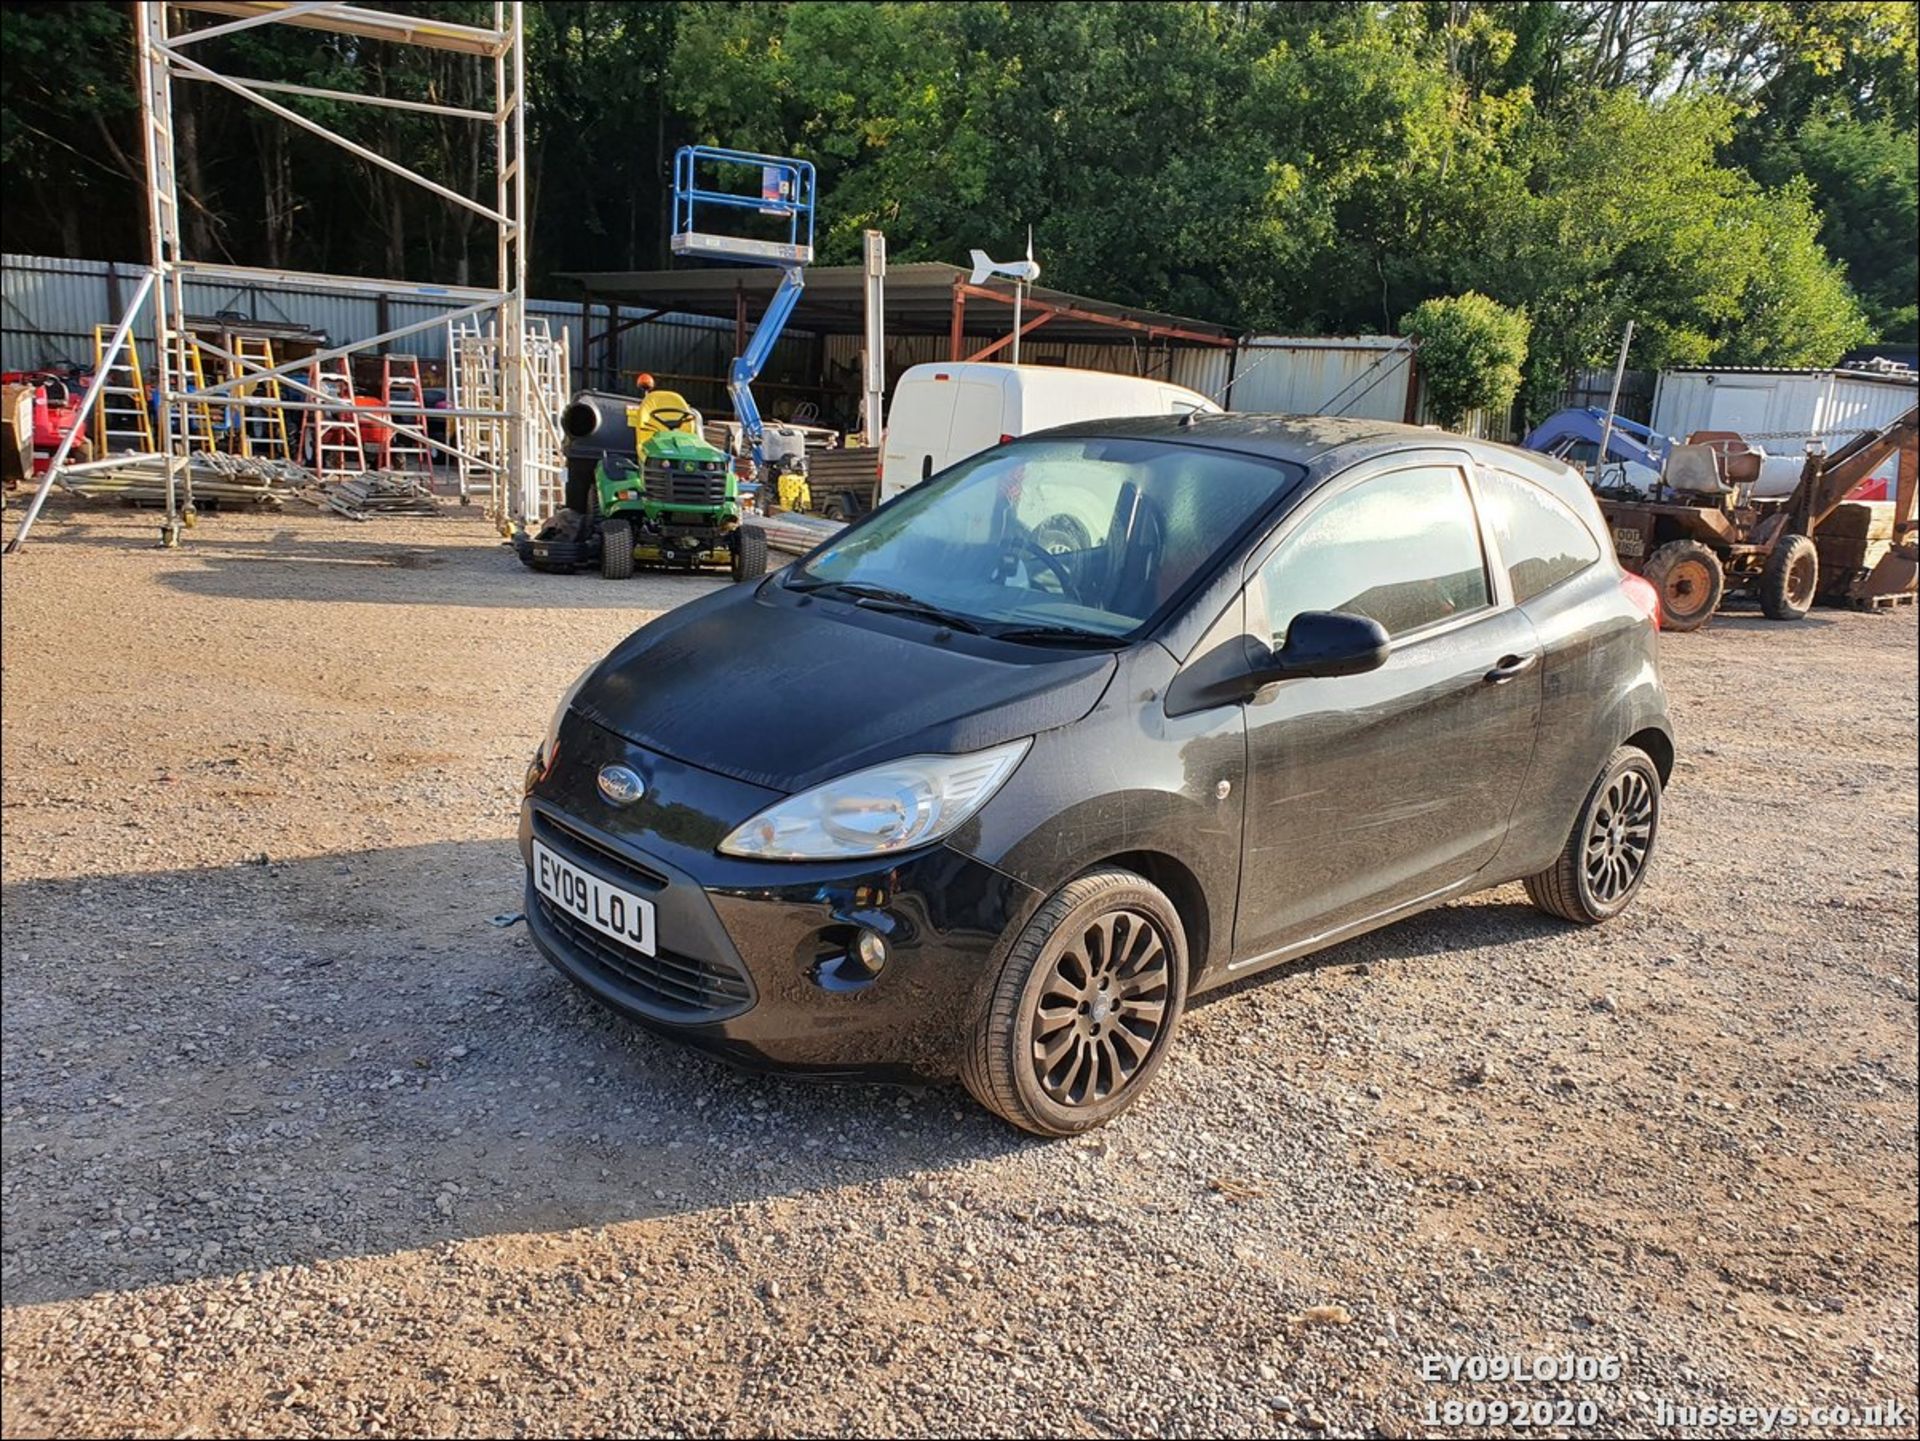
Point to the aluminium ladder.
(475, 375)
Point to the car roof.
(1309, 440)
(1324, 445)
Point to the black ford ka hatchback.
(1002, 774)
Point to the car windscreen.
(1081, 535)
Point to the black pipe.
(596, 424)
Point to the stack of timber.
(380, 492)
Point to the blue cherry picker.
(643, 485)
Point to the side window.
(1402, 549)
(1541, 541)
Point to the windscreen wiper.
(1063, 635)
(892, 602)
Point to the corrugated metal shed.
(1781, 409)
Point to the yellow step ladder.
(262, 428)
(121, 420)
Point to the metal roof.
(1895, 375)
(920, 301)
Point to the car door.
(1371, 793)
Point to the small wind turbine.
(1022, 272)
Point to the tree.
(1863, 179)
(1471, 351)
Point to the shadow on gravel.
(219, 1070)
(1463, 926)
(214, 1071)
(489, 577)
(1745, 615)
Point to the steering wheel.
(1029, 547)
(668, 418)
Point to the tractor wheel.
(749, 553)
(1791, 577)
(616, 550)
(1690, 581)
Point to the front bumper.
(747, 960)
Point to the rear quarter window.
(1541, 541)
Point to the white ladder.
(338, 446)
(548, 392)
(404, 402)
(474, 372)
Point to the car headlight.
(543, 758)
(892, 807)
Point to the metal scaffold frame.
(165, 55)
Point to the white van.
(941, 414)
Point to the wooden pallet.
(1880, 602)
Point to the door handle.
(1511, 666)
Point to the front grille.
(686, 487)
(680, 988)
(669, 984)
(571, 840)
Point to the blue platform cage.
(707, 179)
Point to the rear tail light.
(1639, 590)
(1005, 438)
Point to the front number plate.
(1628, 542)
(625, 917)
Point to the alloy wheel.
(1101, 1008)
(1619, 836)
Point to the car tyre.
(1690, 580)
(1606, 857)
(1084, 1009)
(616, 550)
(1790, 579)
(749, 553)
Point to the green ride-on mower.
(644, 488)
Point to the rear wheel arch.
(1659, 748)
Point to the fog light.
(871, 948)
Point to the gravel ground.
(298, 1142)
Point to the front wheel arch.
(1183, 888)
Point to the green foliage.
(1863, 179)
(1725, 174)
(1471, 353)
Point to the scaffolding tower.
(166, 54)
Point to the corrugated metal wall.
(1777, 405)
(1781, 410)
(1359, 375)
(1780, 406)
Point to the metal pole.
(1613, 401)
(94, 391)
(1019, 294)
(510, 139)
(163, 227)
(874, 252)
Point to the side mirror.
(1319, 643)
(1327, 643)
